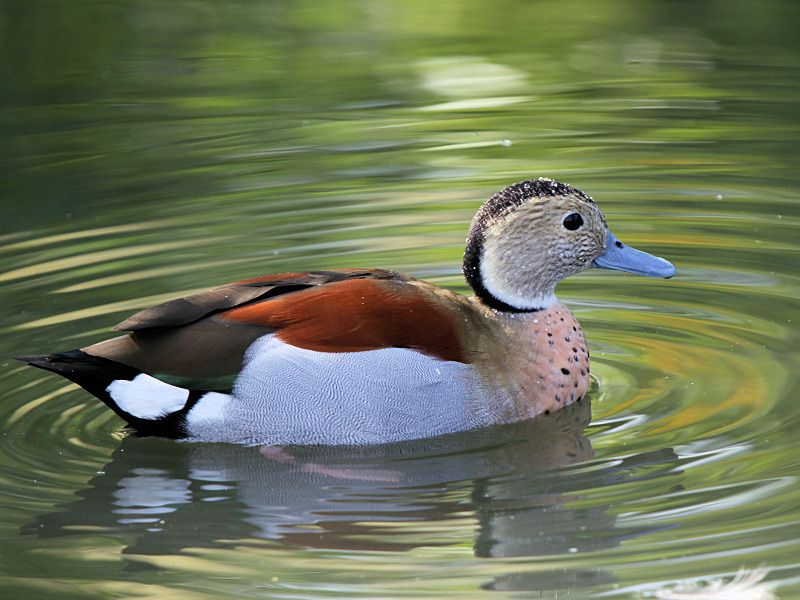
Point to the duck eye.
(573, 221)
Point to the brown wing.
(199, 341)
(188, 309)
(354, 315)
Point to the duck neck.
(488, 299)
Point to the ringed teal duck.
(359, 356)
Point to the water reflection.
(518, 487)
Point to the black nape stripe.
(498, 205)
(472, 273)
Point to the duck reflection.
(519, 484)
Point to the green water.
(151, 149)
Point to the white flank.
(146, 397)
(290, 395)
(210, 408)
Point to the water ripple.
(686, 395)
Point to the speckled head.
(531, 235)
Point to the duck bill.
(620, 257)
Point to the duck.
(369, 356)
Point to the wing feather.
(361, 314)
(189, 309)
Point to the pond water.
(152, 149)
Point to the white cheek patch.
(146, 397)
(493, 281)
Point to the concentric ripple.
(688, 390)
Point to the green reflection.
(148, 149)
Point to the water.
(151, 149)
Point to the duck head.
(531, 235)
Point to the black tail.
(96, 374)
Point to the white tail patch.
(146, 397)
